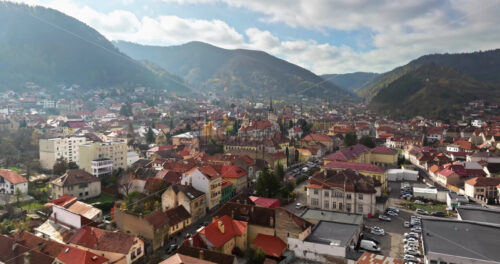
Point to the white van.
(369, 245)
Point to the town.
(142, 176)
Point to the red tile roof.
(265, 202)
(225, 184)
(446, 172)
(353, 166)
(232, 228)
(12, 176)
(271, 245)
(483, 181)
(383, 150)
(317, 137)
(73, 255)
(99, 239)
(348, 153)
(64, 200)
(231, 171)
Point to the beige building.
(342, 191)
(63, 147)
(193, 200)
(77, 183)
(102, 157)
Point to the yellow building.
(100, 157)
(224, 234)
(370, 170)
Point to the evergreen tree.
(367, 141)
(150, 136)
(350, 139)
(60, 167)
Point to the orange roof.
(317, 137)
(314, 186)
(12, 176)
(434, 168)
(271, 245)
(73, 255)
(231, 228)
(370, 258)
(483, 181)
(63, 200)
(231, 171)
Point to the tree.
(19, 196)
(255, 256)
(188, 127)
(126, 110)
(367, 141)
(267, 184)
(297, 154)
(150, 136)
(350, 139)
(73, 166)
(280, 172)
(306, 128)
(60, 167)
(287, 153)
(23, 123)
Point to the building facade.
(116, 152)
(55, 148)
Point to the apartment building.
(101, 158)
(342, 191)
(207, 180)
(64, 147)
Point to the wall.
(137, 225)
(313, 251)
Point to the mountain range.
(350, 81)
(47, 47)
(239, 72)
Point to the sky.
(324, 36)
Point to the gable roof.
(383, 150)
(231, 171)
(73, 255)
(232, 228)
(271, 245)
(317, 137)
(12, 176)
(348, 153)
(99, 239)
(177, 215)
(353, 166)
(483, 181)
(72, 177)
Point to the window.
(339, 194)
(334, 205)
(360, 196)
(360, 208)
(86, 193)
(348, 207)
(348, 196)
(327, 204)
(314, 202)
(80, 194)
(327, 194)
(434, 262)
(315, 191)
(340, 206)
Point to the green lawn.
(427, 207)
(103, 202)
(32, 206)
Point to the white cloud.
(401, 30)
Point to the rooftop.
(316, 215)
(333, 233)
(461, 239)
(480, 215)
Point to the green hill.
(350, 81)
(241, 73)
(432, 90)
(47, 47)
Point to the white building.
(207, 180)
(10, 181)
(132, 157)
(402, 175)
(63, 147)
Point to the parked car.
(412, 252)
(416, 229)
(384, 218)
(369, 245)
(408, 257)
(421, 211)
(406, 224)
(392, 213)
(438, 214)
(410, 239)
(377, 231)
(411, 234)
(299, 206)
(372, 239)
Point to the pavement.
(301, 197)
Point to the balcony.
(102, 167)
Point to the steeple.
(271, 104)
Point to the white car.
(393, 209)
(416, 229)
(411, 234)
(384, 218)
(392, 213)
(418, 202)
(299, 206)
(406, 224)
(412, 252)
(408, 257)
(377, 232)
(410, 239)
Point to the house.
(449, 177)
(271, 245)
(224, 234)
(178, 258)
(118, 247)
(369, 170)
(205, 254)
(474, 246)
(72, 204)
(153, 227)
(482, 188)
(178, 218)
(265, 202)
(328, 242)
(192, 200)
(313, 139)
(342, 191)
(227, 191)
(78, 183)
(11, 181)
(236, 175)
(351, 154)
(207, 180)
(188, 139)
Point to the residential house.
(312, 140)
(192, 200)
(449, 177)
(72, 204)
(188, 139)
(153, 227)
(227, 191)
(482, 188)
(236, 175)
(342, 191)
(118, 247)
(207, 180)
(225, 234)
(78, 183)
(178, 219)
(11, 181)
(205, 254)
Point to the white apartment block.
(63, 147)
(98, 155)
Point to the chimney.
(232, 214)
(202, 254)
(190, 241)
(221, 226)
(55, 218)
(27, 257)
(271, 221)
